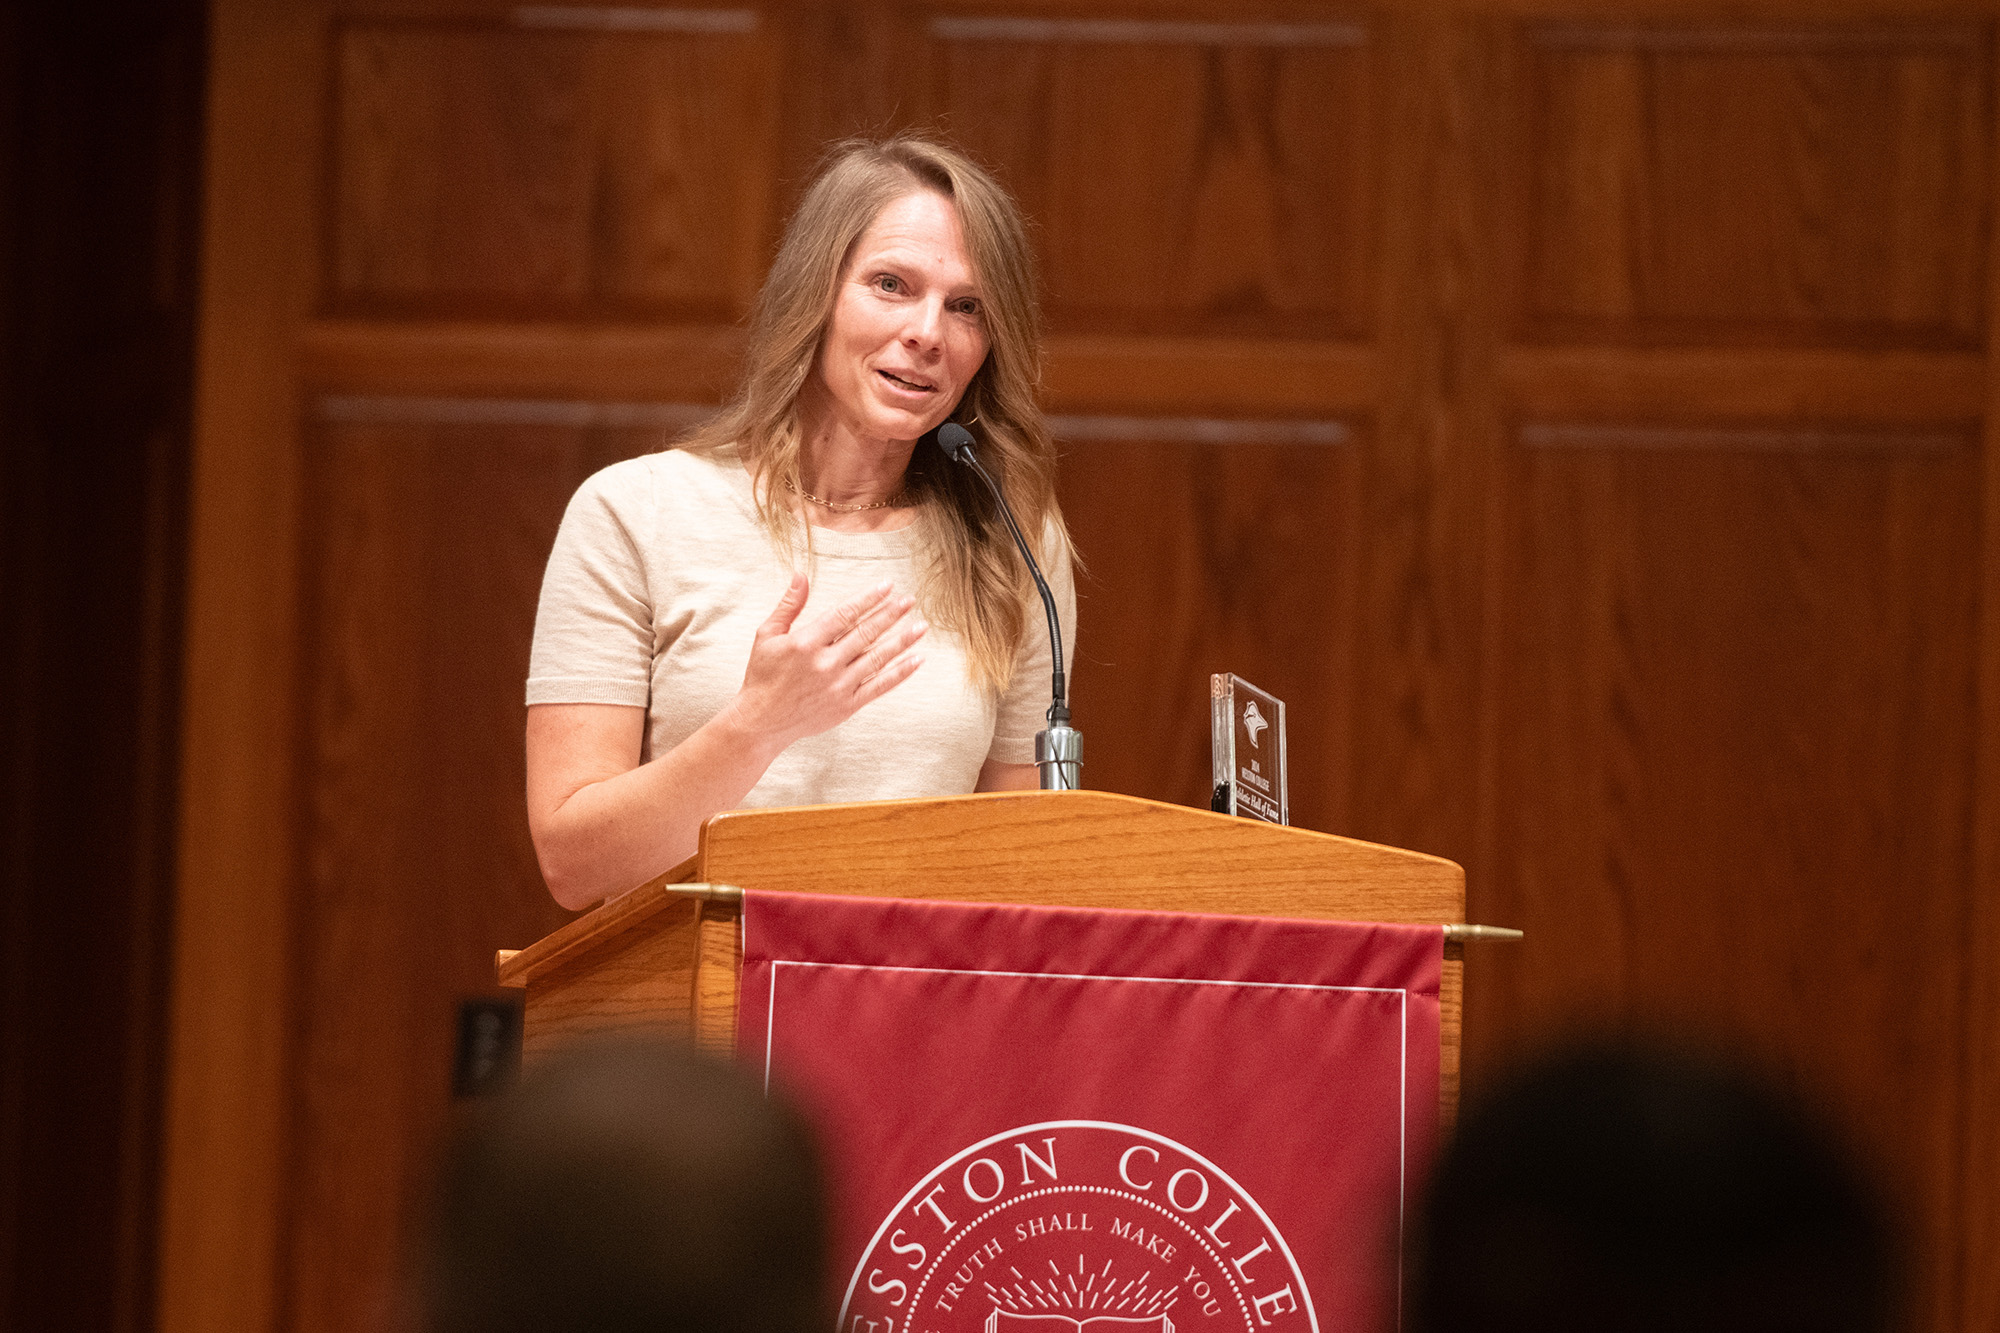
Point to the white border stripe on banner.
(1085, 976)
(1403, 1157)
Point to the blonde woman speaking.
(806, 601)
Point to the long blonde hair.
(975, 583)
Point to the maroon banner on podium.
(1051, 1120)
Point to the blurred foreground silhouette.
(636, 1185)
(1620, 1187)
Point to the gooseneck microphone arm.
(1059, 749)
(956, 440)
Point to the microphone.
(1059, 748)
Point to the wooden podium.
(669, 953)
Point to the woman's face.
(907, 332)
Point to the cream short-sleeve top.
(660, 576)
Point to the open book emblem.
(1006, 1321)
(1253, 721)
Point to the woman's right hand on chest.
(806, 679)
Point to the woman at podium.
(806, 600)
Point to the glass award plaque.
(1248, 727)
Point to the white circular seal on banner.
(1077, 1226)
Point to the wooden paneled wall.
(1580, 412)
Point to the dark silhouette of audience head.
(629, 1186)
(1620, 1187)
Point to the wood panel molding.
(389, 410)
(1223, 376)
(1737, 439)
(634, 362)
(1145, 32)
(633, 18)
(1682, 14)
(1756, 384)
(1918, 34)
(481, 358)
(1101, 375)
(671, 419)
(1199, 430)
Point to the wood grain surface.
(1780, 184)
(536, 170)
(1428, 495)
(563, 946)
(1451, 1032)
(1649, 575)
(1245, 208)
(1737, 711)
(718, 972)
(1116, 851)
(424, 550)
(1247, 562)
(638, 978)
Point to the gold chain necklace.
(839, 508)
